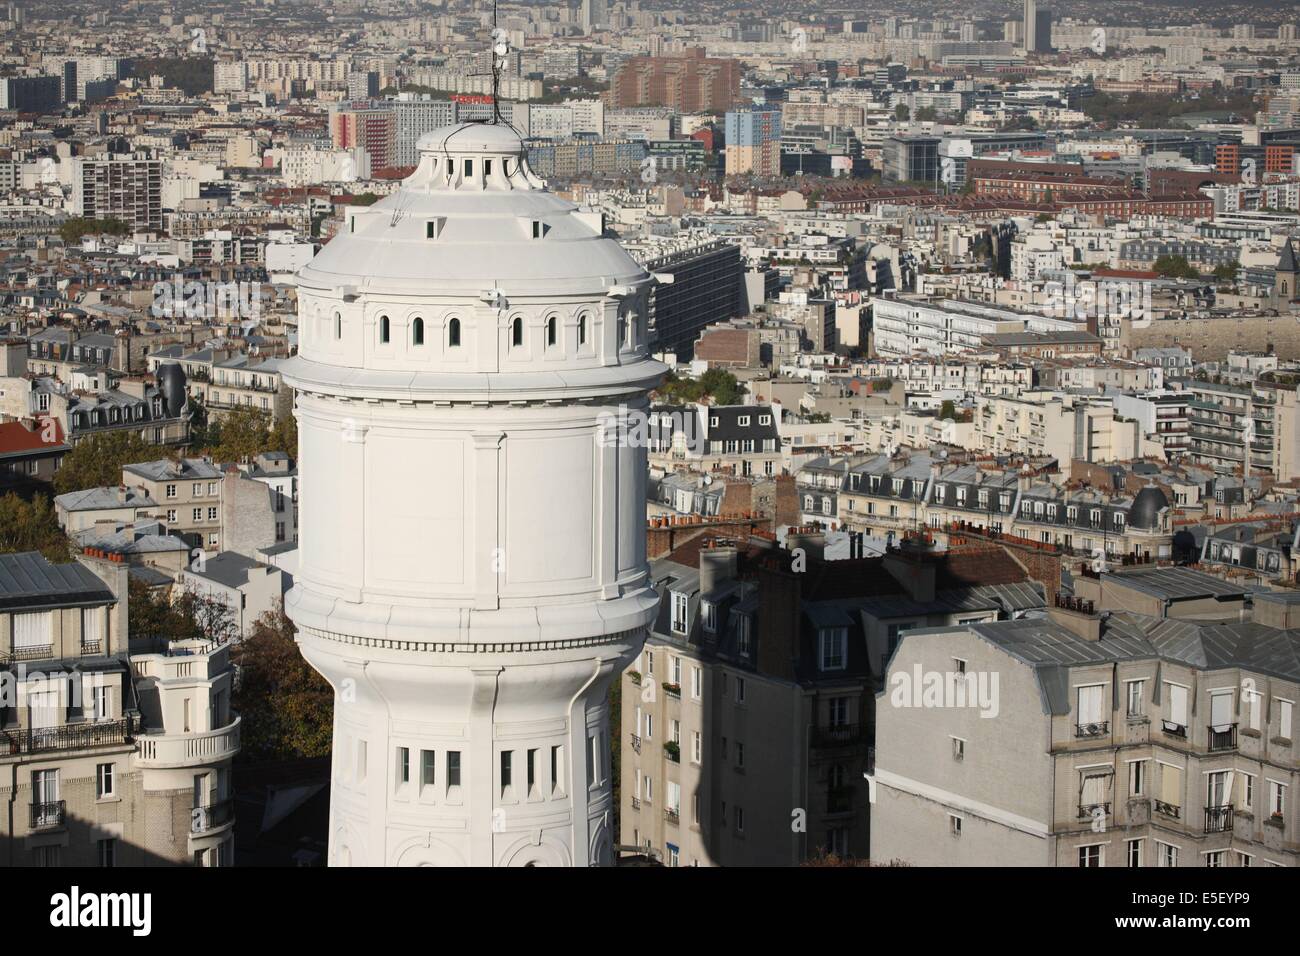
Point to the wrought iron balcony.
(49, 814)
(672, 816)
(839, 799)
(1168, 809)
(1218, 819)
(636, 743)
(1089, 811)
(204, 819)
(33, 740)
(840, 735)
(1173, 729)
(1099, 728)
(1223, 737)
(636, 803)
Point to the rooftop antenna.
(500, 47)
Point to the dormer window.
(832, 648)
(679, 612)
(743, 421)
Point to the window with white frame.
(1166, 854)
(1133, 852)
(697, 747)
(1276, 798)
(833, 648)
(954, 824)
(697, 682)
(679, 612)
(1136, 707)
(1285, 711)
(1090, 855)
(104, 786)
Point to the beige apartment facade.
(113, 758)
(1126, 749)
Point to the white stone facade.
(473, 556)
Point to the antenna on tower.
(500, 47)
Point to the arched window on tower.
(384, 330)
(582, 330)
(453, 334)
(417, 331)
(338, 325)
(517, 332)
(550, 332)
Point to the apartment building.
(705, 289)
(126, 189)
(743, 440)
(919, 325)
(747, 718)
(188, 496)
(116, 753)
(1135, 740)
(889, 497)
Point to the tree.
(927, 114)
(287, 707)
(722, 386)
(284, 436)
(948, 410)
(32, 526)
(1227, 272)
(97, 461)
(902, 113)
(73, 230)
(188, 615)
(243, 433)
(1175, 267)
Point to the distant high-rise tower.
(1037, 28)
(595, 13)
(472, 532)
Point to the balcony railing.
(49, 814)
(91, 648)
(1218, 819)
(38, 652)
(204, 819)
(1173, 729)
(673, 750)
(1090, 811)
(1223, 737)
(672, 816)
(1168, 809)
(840, 735)
(839, 799)
(636, 743)
(672, 690)
(1098, 729)
(190, 750)
(34, 740)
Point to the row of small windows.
(453, 331)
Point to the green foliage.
(948, 410)
(32, 526)
(152, 617)
(97, 461)
(718, 384)
(246, 432)
(188, 73)
(1175, 267)
(75, 229)
(927, 114)
(1159, 110)
(818, 418)
(1227, 272)
(902, 113)
(287, 707)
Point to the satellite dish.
(708, 480)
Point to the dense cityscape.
(468, 434)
